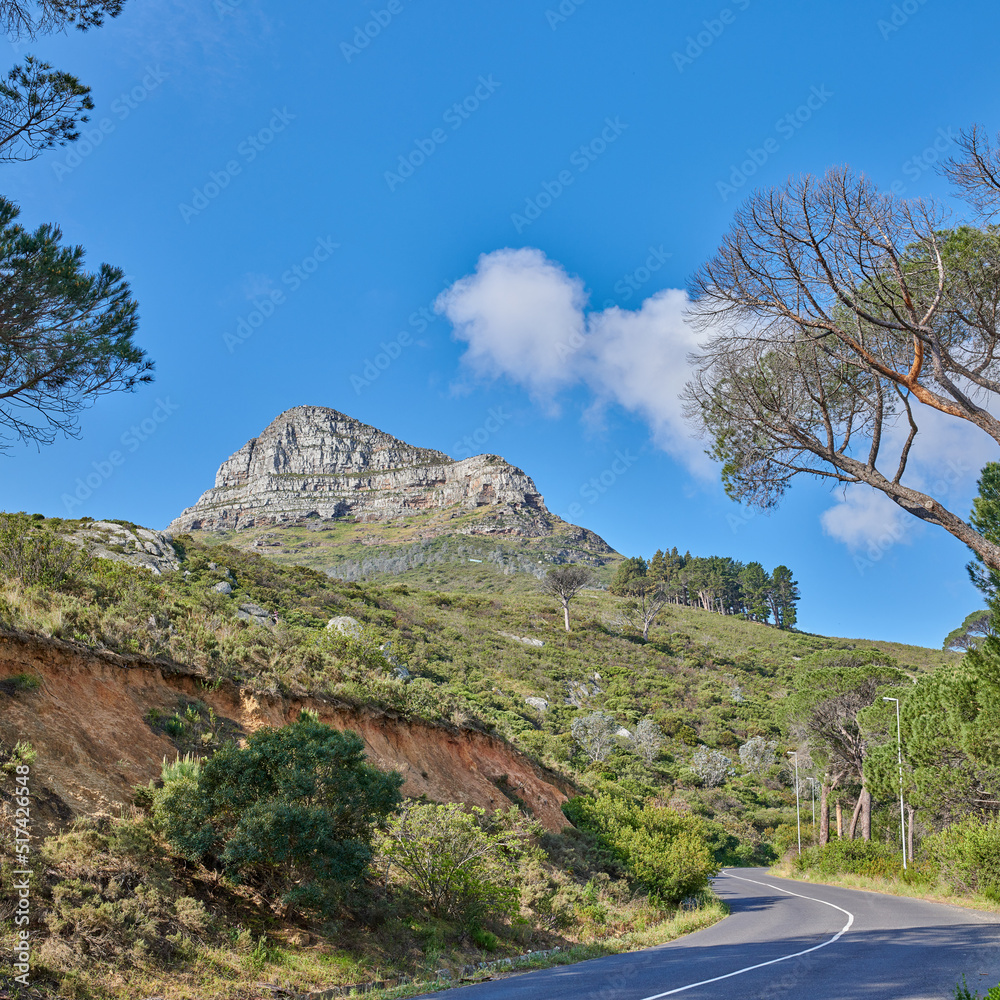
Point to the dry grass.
(934, 893)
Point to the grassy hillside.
(468, 643)
(432, 539)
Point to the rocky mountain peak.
(315, 462)
(317, 441)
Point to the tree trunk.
(840, 820)
(824, 814)
(909, 831)
(854, 817)
(865, 798)
(565, 605)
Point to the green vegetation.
(964, 993)
(675, 743)
(659, 849)
(714, 583)
(294, 811)
(462, 864)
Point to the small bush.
(851, 857)
(464, 864)
(32, 553)
(662, 850)
(967, 856)
(113, 900)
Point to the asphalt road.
(787, 940)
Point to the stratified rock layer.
(314, 462)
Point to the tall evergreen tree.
(783, 596)
(756, 585)
(985, 518)
(631, 572)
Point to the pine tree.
(756, 585)
(985, 518)
(783, 596)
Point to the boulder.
(345, 625)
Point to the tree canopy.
(65, 333)
(830, 690)
(951, 735)
(715, 583)
(41, 107)
(565, 582)
(833, 309)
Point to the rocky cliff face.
(312, 462)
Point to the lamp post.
(899, 753)
(798, 822)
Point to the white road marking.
(784, 958)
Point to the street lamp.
(798, 822)
(899, 753)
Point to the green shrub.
(851, 857)
(662, 850)
(293, 812)
(32, 553)
(463, 864)
(113, 901)
(964, 993)
(967, 856)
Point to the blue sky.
(291, 187)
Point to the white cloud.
(524, 318)
(867, 519)
(638, 359)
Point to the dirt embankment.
(87, 722)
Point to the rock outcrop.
(313, 462)
(131, 544)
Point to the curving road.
(787, 940)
